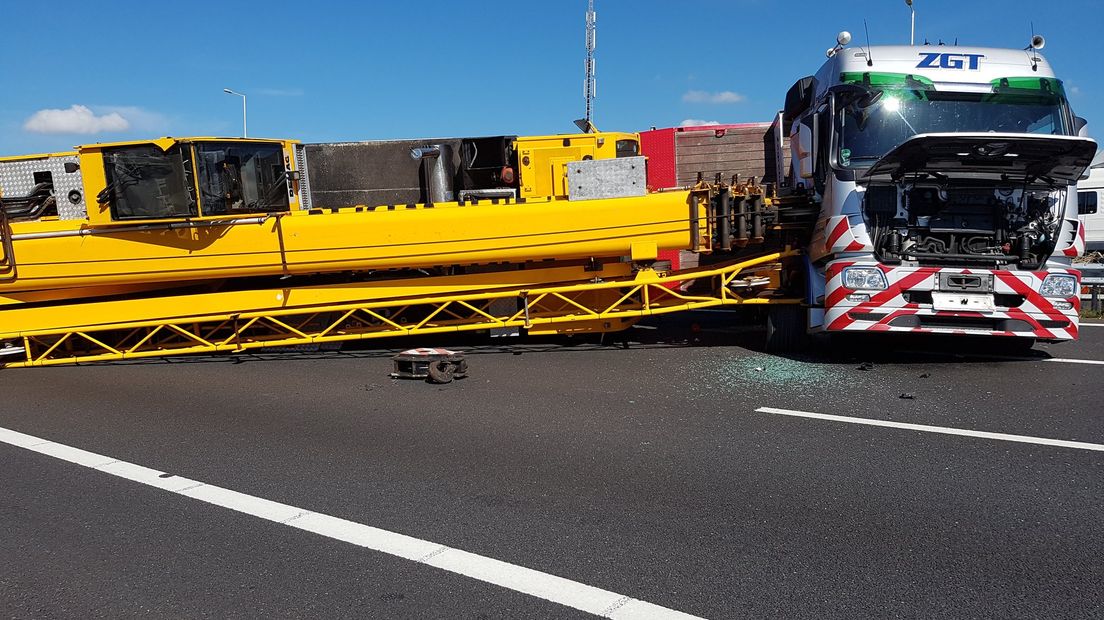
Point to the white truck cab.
(946, 182)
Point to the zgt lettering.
(935, 60)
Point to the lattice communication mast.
(590, 85)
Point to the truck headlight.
(864, 278)
(1059, 285)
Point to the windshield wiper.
(130, 176)
(264, 201)
(125, 174)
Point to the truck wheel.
(785, 329)
(440, 372)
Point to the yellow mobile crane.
(190, 245)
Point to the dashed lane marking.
(1061, 443)
(1074, 361)
(510, 576)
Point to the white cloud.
(76, 119)
(704, 96)
(139, 119)
(1074, 89)
(693, 122)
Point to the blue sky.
(328, 71)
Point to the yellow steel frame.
(590, 306)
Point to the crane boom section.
(168, 211)
(52, 255)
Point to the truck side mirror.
(799, 98)
(1079, 124)
(805, 147)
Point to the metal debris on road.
(432, 364)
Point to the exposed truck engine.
(941, 225)
(994, 215)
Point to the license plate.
(974, 302)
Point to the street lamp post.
(912, 26)
(245, 133)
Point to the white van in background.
(1090, 205)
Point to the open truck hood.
(996, 156)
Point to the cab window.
(236, 178)
(144, 182)
(627, 148)
(1086, 203)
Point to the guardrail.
(1092, 285)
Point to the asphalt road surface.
(648, 472)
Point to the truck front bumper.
(907, 304)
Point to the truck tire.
(785, 329)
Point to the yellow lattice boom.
(591, 306)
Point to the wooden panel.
(685, 140)
(744, 151)
(723, 158)
(721, 148)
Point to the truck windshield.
(871, 121)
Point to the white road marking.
(511, 576)
(1061, 443)
(1073, 361)
(1092, 324)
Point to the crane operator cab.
(195, 179)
